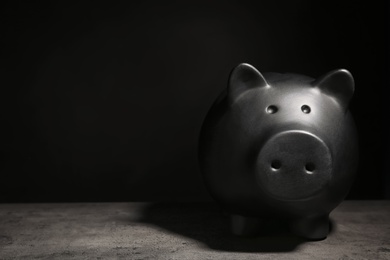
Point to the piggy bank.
(280, 146)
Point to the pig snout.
(293, 165)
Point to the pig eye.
(271, 109)
(305, 109)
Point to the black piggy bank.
(280, 146)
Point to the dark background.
(104, 102)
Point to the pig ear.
(338, 84)
(242, 78)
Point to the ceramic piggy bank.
(280, 146)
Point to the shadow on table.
(205, 222)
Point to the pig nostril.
(276, 165)
(272, 109)
(310, 167)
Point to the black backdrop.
(104, 102)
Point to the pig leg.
(244, 226)
(313, 228)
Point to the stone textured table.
(360, 230)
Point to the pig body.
(280, 146)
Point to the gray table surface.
(360, 230)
